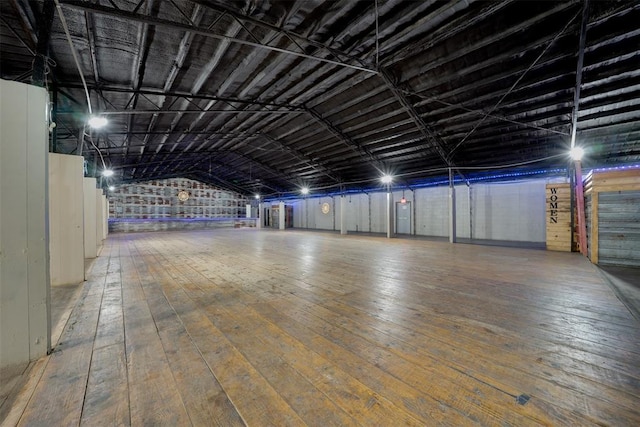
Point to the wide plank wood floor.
(261, 327)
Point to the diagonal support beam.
(295, 38)
(180, 94)
(263, 182)
(300, 156)
(378, 164)
(17, 35)
(429, 135)
(136, 17)
(426, 132)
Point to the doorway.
(403, 218)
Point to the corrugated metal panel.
(619, 228)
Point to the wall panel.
(99, 218)
(90, 218)
(66, 222)
(510, 211)
(432, 211)
(24, 245)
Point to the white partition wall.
(90, 218)
(105, 218)
(24, 264)
(100, 217)
(66, 228)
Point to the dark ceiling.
(267, 96)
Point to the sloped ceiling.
(268, 96)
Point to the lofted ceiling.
(268, 96)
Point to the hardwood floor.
(260, 327)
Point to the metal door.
(403, 218)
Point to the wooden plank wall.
(558, 217)
(606, 181)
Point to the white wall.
(66, 225)
(512, 211)
(90, 218)
(324, 221)
(100, 218)
(378, 212)
(105, 218)
(509, 211)
(24, 246)
(432, 211)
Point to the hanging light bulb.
(576, 153)
(97, 122)
(386, 179)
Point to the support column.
(259, 216)
(343, 215)
(390, 215)
(281, 216)
(44, 22)
(452, 208)
(582, 226)
(248, 215)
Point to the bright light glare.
(576, 153)
(97, 122)
(386, 179)
(257, 196)
(304, 190)
(107, 172)
(111, 188)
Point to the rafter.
(17, 35)
(139, 66)
(428, 134)
(375, 162)
(182, 95)
(301, 157)
(295, 38)
(131, 16)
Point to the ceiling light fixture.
(107, 173)
(576, 153)
(386, 179)
(97, 122)
(304, 190)
(257, 196)
(111, 188)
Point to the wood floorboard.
(59, 395)
(261, 327)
